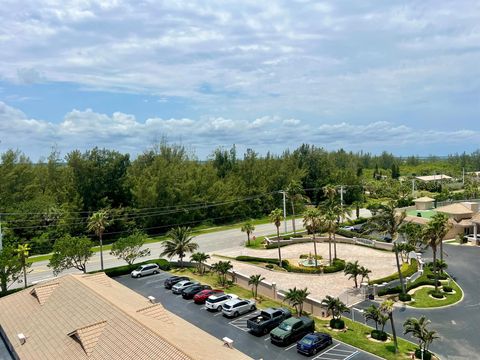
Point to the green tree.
(10, 267)
(412, 233)
(386, 308)
(312, 221)
(71, 252)
(97, 224)
(329, 221)
(248, 228)
(23, 251)
(180, 243)
(295, 193)
(255, 280)
(276, 218)
(129, 248)
(418, 328)
(364, 273)
(352, 269)
(296, 297)
(200, 258)
(335, 306)
(374, 313)
(222, 268)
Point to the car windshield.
(139, 268)
(306, 341)
(227, 306)
(285, 327)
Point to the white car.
(147, 269)
(215, 302)
(182, 285)
(236, 307)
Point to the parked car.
(313, 343)
(203, 295)
(215, 302)
(267, 320)
(291, 330)
(182, 285)
(236, 307)
(147, 269)
(189, 292)
(168, 283)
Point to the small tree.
(375, 314)
(97, 223)
(222, 268)
(295, 193)
(276, 218)
(129, 248)
(180, 243)
(10, 268)
(71, 252)
(418, 328)
(312, 221)
(352, 269)
(255, 280)
(248, 228)
(336, 307)
(296, 297)
(200, 258)
(23, 251)
(364, 273)
(387, 308)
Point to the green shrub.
(257, 259)
(407, 270)
(306, 256)
(269, 266)
(301, 269)
(337, 324)
(447, 289)
(337, 265)
(274, 245)
(404, 297)
(127, 269)
(379, 335)
(440, 276)
(286, 237)
(436, 295)
(352, 234)
(426, 355)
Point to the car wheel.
(253, 308)
(265, 331)
(139, 276)
(235, 314)
(219, 308)
(330, 342)
(314, 351)
(155, 272)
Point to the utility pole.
(341, 196)
(1, 234)
(463, 176)
(284, 208)
(413, 188)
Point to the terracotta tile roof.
(94, 317)
(416, 220)
(476, 218)
(455, 209)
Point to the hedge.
(352, 234)
(426, 355)
(337, 265)
(300, 269)
(127, 269)
(408, 271)
(404, 297)
(337, 324)
(306, 256)
(447, 289)
(259, 259)
(437, 295)
(379, 335)
(274, 245)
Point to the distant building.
(429, 178)
(94, 317)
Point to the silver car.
(236, 307)
(215, 302)
(179, 287)
(147, 269)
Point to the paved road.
(458, 325)
(219, 326)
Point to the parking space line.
(220, 313)
(203, 308)
(327, 358)
(290, 347)
(341, 350)
(268, 338)
(351, 356)
(326, 351)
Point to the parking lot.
(236, 329)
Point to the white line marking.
(220, 313)
(204, 308)
(351, 356)
(326, 351)
(290, 347)
(453, 322)
(268, 338)
(341, 350)
(327, 358)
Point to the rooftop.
(455, 209)
(433, 177)
(424, 199)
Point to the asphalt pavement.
(219, 326)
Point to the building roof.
(476, 218)
(424, 199)
(94, 317)
(433, 177)
(416, 220)
(455, 209)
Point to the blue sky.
(400, 76)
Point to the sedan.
(313, 343)
(203, 295)
(189, 292)
(236, 307)
(182, 285)
(172, 280)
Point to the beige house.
(94, 317)
(429, 178)
(424, 203)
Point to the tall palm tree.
(374, 313)
(329, 221)
(180, 243)
(352, 269)
(248, 228)
(340, 212)
(23, 250)
(255, 280)
(222, 268)
(312, 221)
(97, 223)
(432, 235)
(418, 328)
(335, 306)
(388, 220)
(296, 297)
(295, 193)
(276, 218)
(387, 308)
(200, 258)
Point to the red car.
(200, 297)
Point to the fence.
(340, 239)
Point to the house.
(429, 178)
(94, 317)
(424, 203)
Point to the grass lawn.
(356, 334)
(423, 300)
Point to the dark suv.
(190, 291)
(173, 280)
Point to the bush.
(404, 297)
(306, 256)
(269, 266)
(127, 269)
(337, 265)
(337, 324)
(274, 245)
(257, 259)
(286, 237)
(352, 234)
(440, 276)
(426, 354)
(436, 295)
(447, 289)
(301, 269)
(407, 270)
(379, 335)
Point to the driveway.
(458, 326)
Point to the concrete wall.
(340, 239)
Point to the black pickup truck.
(291, 330)
(267, 320)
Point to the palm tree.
(97, 223)
(375, 314)
(294, 193)
(276, 217)
(352, 269)
(363, 272)
(432, 236)
(255, 280)
(312, 220)
(388, 220)
(387, 308)
(179, 244)
(296, 297)
(340, 212)
(200, 258)
(335, 306)
(23, 250)
(329, 221)
(222, 268)
(418, 328)
(248, 228)
(442, 266)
